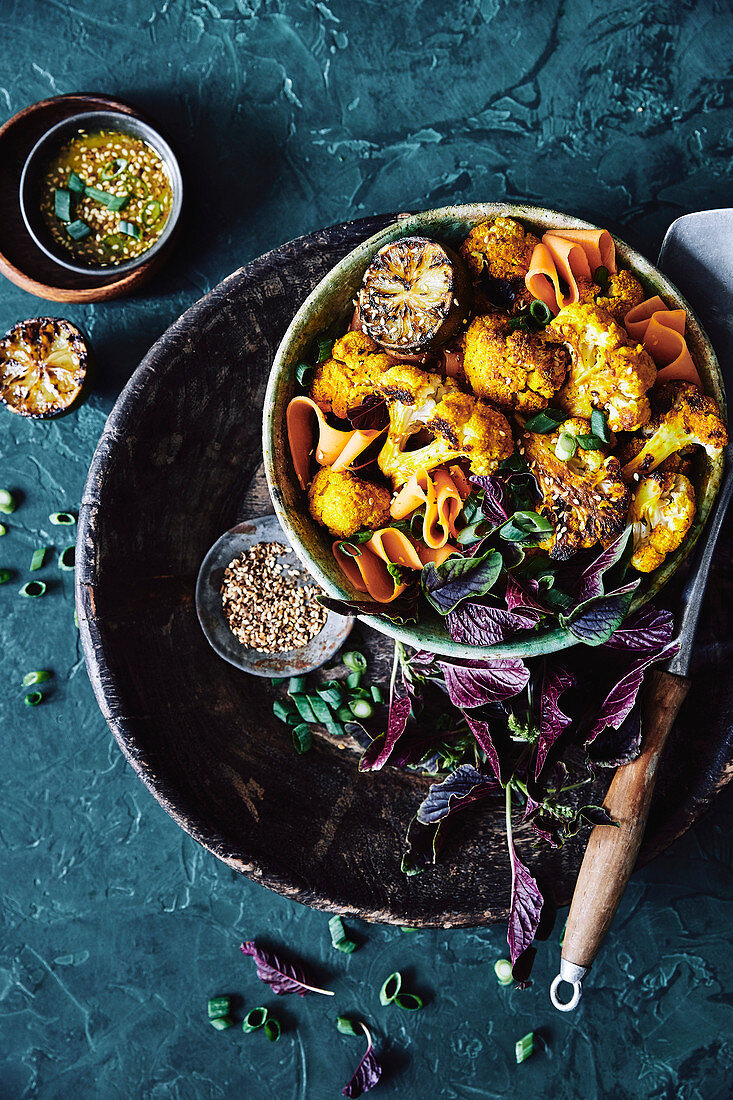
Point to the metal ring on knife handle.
(573, 975)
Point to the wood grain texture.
(21, 260)
(611, 853)
(179, 462)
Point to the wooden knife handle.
(611, 853)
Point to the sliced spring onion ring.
(409, 1001)
(354, 679)
(32, 678)
(272, 1029)
(361, 708)
(376, 693)
(566, 446)
(345, 1026)
(503, 971)
(600, 277)
(405, 928)
(78, 230)
(304, 708)
(7, 502)
(545, 421)
(67, 558)
(254, 1019)
(331, 694)
(296, 685)
(113, 241)
(524, 1047)
(32, 589)
(599, 425)
(3, 530)
(130, 229)
(390, 988)
(62, 204)
(37, 559)
(325, 347)
(75, 183)
(151, 212)
(5, 576)
(62, 519)
(113, 168)
(117, 202)
(540, 312)
(344, 713)
(354, 660)
(282, 710)
(218, 1006)
(339, 939)
(305, 374)
(221, 1023)
(33, 698)
(302, 738)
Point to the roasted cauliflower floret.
(692, 418)
(462, 426)
(621, 293)
(353, 371)
(498, 254)
(607, 371)
(584, 498)
(512, 367)
(661, 513)
(345, 503)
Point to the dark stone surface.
(116, 926)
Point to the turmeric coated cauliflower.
(462, 426)
(498, 254)
(692, 418)
(512, 367)
(345, 503)
(608, 370)
(353, 371)
(621, 293)
(584, 497)
(661, 513)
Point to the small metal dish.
(294, 662)
(37, 162)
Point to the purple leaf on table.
(649, 629)
(380, 750)
(526, 907)
(622, 696)
(477, 624)
(615, 747)
(367, 1073)
(461, 788)
(479, 682)
(553, 720)
(282, 977)
(482, 733)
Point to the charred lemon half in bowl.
(389, 322)
(43, 365)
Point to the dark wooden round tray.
(179, 462)
(21, 260)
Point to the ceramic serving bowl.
(328, 309)
(50, 143)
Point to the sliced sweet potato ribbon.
(369, 572)
(564, 256)
(662, 332)
(442, 492)
(309, 431)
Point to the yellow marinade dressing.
(104, 231)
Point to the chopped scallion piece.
(33, 699)
(76, 183)
(117, 203)
(409, 1001)
(344, 713)
(302, 738)
(98, 194)
(339, 939)
(566, 446)
(78, 230)
(281, 710)
(361, 708)
(62, 519)
(5, 576)
(353, 679)
(405, 928)
(331, 694)
(320, 709)
(305, 710)
(503, 971)
(3, 529)
(254, 1019)
(32, 589)
(62, 204)
(221, 1023)
(376, 693)
(32, 678)
(67, 558)
(599, 425)
(390, 988)
(218, 1006)
(37, 559)
(113, 168)
(325, 347)
(130, 229)
(345, 1026)
(350, 549)
(7, 502)
(296, 685)
(589, 442)
(355, 660)
(540, 312)
(151, 212)
(524, 1047)
(305, 374)
(545, 421)
(272, 1029)
(601, 277)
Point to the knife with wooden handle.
(697, 254)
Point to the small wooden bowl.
(21, 260)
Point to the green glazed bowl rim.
(330, 303)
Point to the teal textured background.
(116, 927)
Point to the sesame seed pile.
(265, 606)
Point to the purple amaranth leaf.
(457, 579)
(589, 582)
(495, 504)
(526, 906)
(594, 621)
(616, 747)
(482, 733)
(475, 624)
(461, 788)
(649, 629)
(479, 682)
(597, 815)
(367, 1073)
(553, 720)
(282, 977)
(422, 844)
(518, 599)
(380, 750)
(371, 414)
(622, 696)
